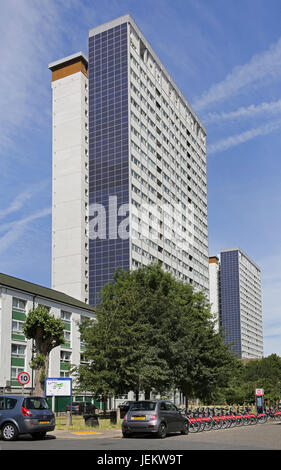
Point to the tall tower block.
(147, 152)
(70, 176)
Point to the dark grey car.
(24, 415)
(81, 407)
(159, 417)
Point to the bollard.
(68, 418)
(113, 417)
(118, 418)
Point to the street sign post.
(23, 379)
(59, 387)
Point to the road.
(259, 437)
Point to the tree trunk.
(39, 378)
(104, 402)
(147, 394)
(38, 389)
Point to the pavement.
(93, 433)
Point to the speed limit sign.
(23, 378)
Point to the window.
(171, 407)
(65, 316)
(10, 403)
(36, 403)
(18, 350)
(66, 336)
(83, 358)
(17, 326)
(143, 406)
(19, 304)
(45, 306)
(15, 371)
(64, 374)
(65, 356)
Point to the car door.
(163, 413)
(2, 408)
(171, 421)
(175, 418)
(10, 410)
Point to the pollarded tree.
(47, 333)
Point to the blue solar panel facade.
(230, 299)
(108, 152)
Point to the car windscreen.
(143, 406)
(36, 403)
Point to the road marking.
(86, 432)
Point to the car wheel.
(162, 431)
(9, 432)
(185, 428)
(126, 434)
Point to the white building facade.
(17, 298)
(214, 291)
(70, 173)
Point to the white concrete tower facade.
(214, 281)
(70, 176)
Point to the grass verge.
(78, 424)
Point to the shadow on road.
(28, 437)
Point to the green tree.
(264, 373)
(201, 361)
(153, 332)
(121, 343)
(259, 373)
(47, 333)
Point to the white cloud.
(251, 111)
(23, 197)
(33, 34)
(238, 139)
(264, 65)
(17, 228)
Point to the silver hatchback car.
(159, 417)
(24, 415)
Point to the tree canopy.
(260, 373)
(153, 332)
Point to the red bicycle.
(195, 424)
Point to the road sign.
(58, 387)
(23, 378)
(259, 392)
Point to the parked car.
(124, 407)
(25, 415)
(159, 417)
(81, 407)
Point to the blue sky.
(225, 56)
